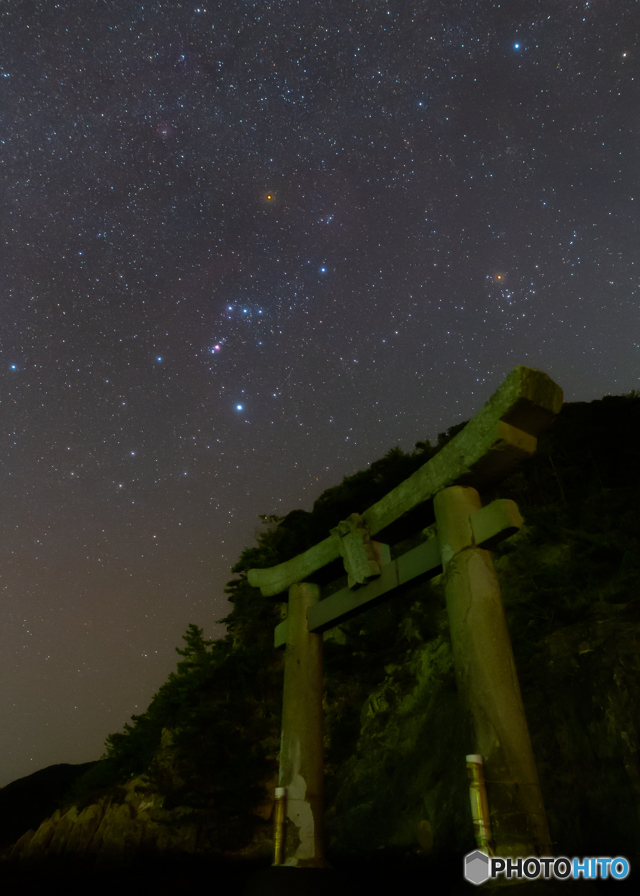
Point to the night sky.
(247, 248)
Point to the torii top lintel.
(502, 433)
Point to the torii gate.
(501, 434)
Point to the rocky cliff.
(129, 823)
(116, 829)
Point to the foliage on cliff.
(219, 711)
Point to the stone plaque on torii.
(502, 434)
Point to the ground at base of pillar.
(284, 880)
(542, 888)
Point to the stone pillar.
(487, 680)
(302, 742)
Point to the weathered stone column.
(302, 742)
(487, 680)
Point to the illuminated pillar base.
(302, 743)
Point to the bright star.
(159, 358)
(238, 407)
(516, 46)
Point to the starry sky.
(248, 247)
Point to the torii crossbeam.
(502, 433)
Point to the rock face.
(114, 830)
(404, 788)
